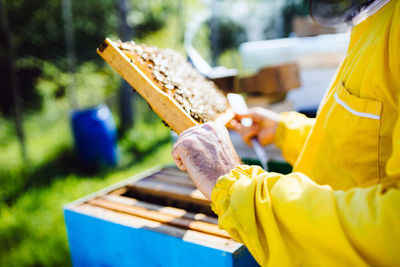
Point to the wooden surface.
(160, 216)
(271, 80)
(167, 196)
(165, 209)
(163, 104)
(225, 83)
(175, 191)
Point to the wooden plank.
(225, 83)
(188, 235)
(139, 223)
(177, 180)
(119, 191)
(165, 209)
(174, 172)
(226, 117)
(158, 188)
(164, 105)
(160, 217)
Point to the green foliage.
(231, 59)
(32, 231)
(49, 152)
(37, 30)
(291, 9)
(230, 34)
(167, 37)
(32, 193)
(150, 16)
(38, 27)
(297, 7)
(91, 83)
(202, 42)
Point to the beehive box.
(157, 218)
(271, 81)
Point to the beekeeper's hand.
(265, 123)
(205, 152)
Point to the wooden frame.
(170, 184)
(164, 105)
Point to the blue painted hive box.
(157, 218)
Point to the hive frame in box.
(103, 236)
(164, 105)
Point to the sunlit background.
(49, 71)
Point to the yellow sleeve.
(288, 220)
(292, 133)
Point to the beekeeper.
(341, 205)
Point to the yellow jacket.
(341, 205)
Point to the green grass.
(32, 193)
(32, 229)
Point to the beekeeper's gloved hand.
(265, 123)
(206, 153)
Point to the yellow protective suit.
(341, 205)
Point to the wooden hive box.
(274, 80)
(157, 218)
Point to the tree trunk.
(9, 42)
(70, 46)
(181, 20)
(125, 93)
(214, 33)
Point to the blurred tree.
(292, 8)
(10, 52)
(38, 37)
(214, 33)
(71, 53)
(137, 19)
(181, 19)
(125, 32)
(37, 27)
(150, 16)
(225, 34)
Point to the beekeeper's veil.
(335, 13)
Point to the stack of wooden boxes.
(269, 84)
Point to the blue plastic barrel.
(95, 135)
